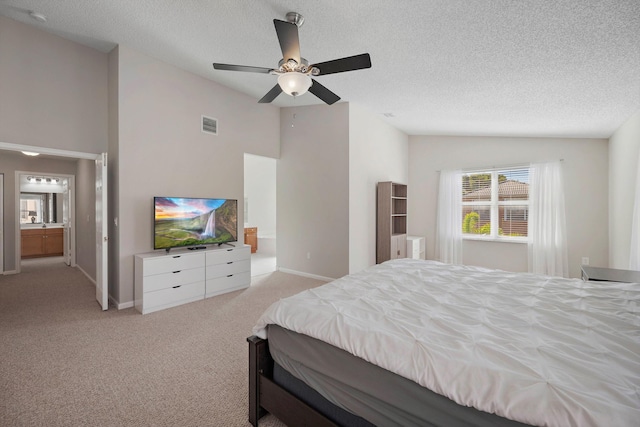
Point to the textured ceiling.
(450, 67)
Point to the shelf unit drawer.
(224, 256)
(221, 285)
(175, 278)
(165, 298)
(170, 263)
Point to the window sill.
(483, 238)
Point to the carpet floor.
(64, 362)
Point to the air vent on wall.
(209, 125)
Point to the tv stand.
(167, 280)
(226, 243)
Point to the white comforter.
(540, 350)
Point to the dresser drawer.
(171, 297)
(175, 278)
(221, 285)
(169, 263)
(221, 257)
(231, 267)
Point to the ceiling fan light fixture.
(294, 83)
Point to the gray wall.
(624, 153)
(53, 92)
(86, 216)
(331, 160)
(377, 152)
(160, 149)
(313, 190)
(586, 192)
(113, 178)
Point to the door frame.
(70, 232)
(53, 152)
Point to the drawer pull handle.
(176, 287)
(177, 271)
(230, 262)
(229, 275)
(229, 250)
(176, 256)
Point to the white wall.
(624, 150)
(313, 190)
(161, 151)
(586, 191)
(377, 152)
(260, 191)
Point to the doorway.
(45, 217)
(260, 211)
(90, 167)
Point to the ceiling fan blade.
(323, 93)
(350, 63)
(271, 95)
(230, 67)
(288, 38)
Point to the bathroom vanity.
(42, 241)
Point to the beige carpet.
(64, 362)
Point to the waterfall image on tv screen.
(182, 221)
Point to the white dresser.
(165, 280)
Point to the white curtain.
(449, 221)
(634, 253)
(547, 224)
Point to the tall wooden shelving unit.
(391, 240)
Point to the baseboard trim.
(121, 305)
(86, 274)
(309, 275)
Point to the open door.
(102, 240)
(66, 220)
(2, 224)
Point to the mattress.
(375, 396)
(535, 349)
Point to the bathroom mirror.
(40, 208)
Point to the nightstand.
(600, 274)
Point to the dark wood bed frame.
(265, 396)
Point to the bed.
(414, 342)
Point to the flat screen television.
(193, 222)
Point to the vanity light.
(30, 153)
(48, 180)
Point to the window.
(495, 203)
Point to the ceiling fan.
(294, 72)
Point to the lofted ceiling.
(440, 67)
